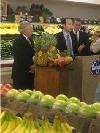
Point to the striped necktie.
(69, 45)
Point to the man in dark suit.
(23, 50)
(82, 39)
(66, 40)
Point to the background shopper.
(95, 45)
(82, 39)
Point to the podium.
(77, 79)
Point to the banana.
(33, 128)
(11, 126)
(68, 128)
(4, 121)
(20, 127)
(2, 117)
(4, 126)
(28, 126)
(18, 121)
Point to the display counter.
(79, 79)
(6, 68)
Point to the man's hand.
(81, 47)
(32, 69)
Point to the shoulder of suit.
(84, 33)
(59, 34)
(19, 39)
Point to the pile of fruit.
(4, 88)
(8, 28)
(60, 104)
(11, 123)
(52, 29)
(53, 57)
(12, 28)
(57, 58)
(47, 54)
(6, 48)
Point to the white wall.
(62, 8)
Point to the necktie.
(77, 36)
(69, 45)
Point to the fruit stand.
(63, 114)
(56, 80)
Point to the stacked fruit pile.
(8, 28)
(11, 123)
(47, 54)
(6, 48)
(57, 58)
(52, 29)
(59, 104)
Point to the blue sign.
(95, 68)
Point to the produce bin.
(78, 79)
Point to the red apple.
(50, 63)
(1, 86)
(61, 62)
(6, 89)
(8, 86)
(2, 92)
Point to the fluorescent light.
(86, 1)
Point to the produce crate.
(81, 124)
(95, 126)
(3, 100)
(16, 106)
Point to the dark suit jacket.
(23, 53)
(83, 39)
(61, 43)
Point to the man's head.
(26, 28)
(67, 24)
(77, 24)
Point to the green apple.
(62, 97)
(59, 105)
(22, 97)
(72, 107)
(30, 92)
(47, 101)
(35, 97)
(74, 100)
(12, 93)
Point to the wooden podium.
(73, 80)
(51, 80)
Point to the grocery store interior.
(50, 66)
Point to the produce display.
(51, 29)
(11, 123)
(47, 54)
(8, 28)
(6, 48)
(61, 103)
(95, 28)
(33, 111)
(12, 28)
